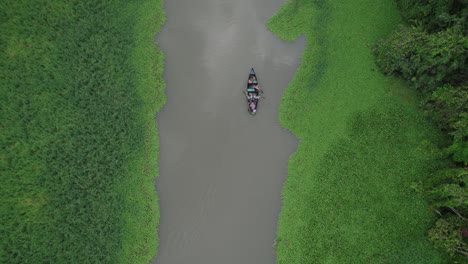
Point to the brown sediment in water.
(221, 169)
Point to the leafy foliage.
(435, 15)
(448, 107)
(447, 188)
(425, 60)
(447, 235)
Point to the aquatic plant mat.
(348, 196)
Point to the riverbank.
(347, 198)
(141, 214)
(81, 83)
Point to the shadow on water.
(221, 169)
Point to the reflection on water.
(221, 170)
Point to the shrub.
(435, 15)
(447, 235)
(448, 107)
(425, 60)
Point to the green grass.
(81, 82)
(347, 198)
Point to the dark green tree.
(435, 15)
(447, 234)
(448, 107)
(447, 188)
(425, 60)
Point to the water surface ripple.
(221, 170)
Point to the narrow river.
(221, 169)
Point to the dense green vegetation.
(349, 196)
(431, 54)
(80, 83)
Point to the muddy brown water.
(221, 169)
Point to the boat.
(252, 93)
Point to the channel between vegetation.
(81, 82)
(347, 197)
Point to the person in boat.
(252, 80)
(252, 96)
(252, 106)
(257, 88)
